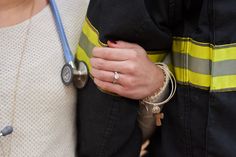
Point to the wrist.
(160, 79)
(157, 80)
(160, 92)
(160, 96)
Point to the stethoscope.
(72, 71)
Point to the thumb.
(122, 45)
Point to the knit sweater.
(44, 124)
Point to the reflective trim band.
(194, 64)
(187, 46)
(204, 65)
(224, 68)
(86, 44)
(225, 54)
(187, 76)
(90, 31)
(83, 57)
(220, 83)
(157, 57)
(207, 50)
(224, 82)
(88, 40)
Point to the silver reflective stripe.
(86, 45)
(194, 64)
(204, 66)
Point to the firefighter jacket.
(200, 36)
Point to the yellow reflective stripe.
(91, 32)
(187, 76)
(201, 50)
(82, 56)
(188, 47)
(224, 82)
(156, 57)
(222, 54)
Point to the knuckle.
(129, 83)
(118, 91)
(92, 60)
(133, 54)
(105, 52)
(92, 72)
(94, 50)
(127, 93)
(97, 75)
(132, 68)
(105, 87)
(99, 64)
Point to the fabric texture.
(45, 108)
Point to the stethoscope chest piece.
(81, 76)
(77, 71)
(67, 74)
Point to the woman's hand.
(138, 76)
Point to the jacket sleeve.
(145, 22)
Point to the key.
(159, 117)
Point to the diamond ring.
(116, 77)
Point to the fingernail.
(113, 41)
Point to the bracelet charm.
(156, 101)
(156, 109)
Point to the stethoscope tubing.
(71, 72)
(67, 52)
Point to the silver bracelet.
(156, 101)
